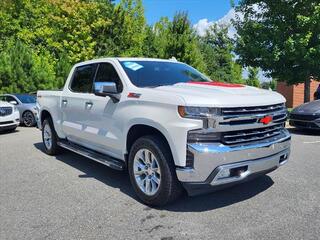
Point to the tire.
(161, 169)
(49, 138)
(28, 119)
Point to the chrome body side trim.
(209, 156)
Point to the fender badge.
(134, 95)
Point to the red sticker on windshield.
(218, 84)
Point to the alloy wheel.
(47, 136)
(147, 173)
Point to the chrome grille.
(241, 125)
(245, 136)
(243, 111)
(5, 111)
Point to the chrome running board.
(93, 155)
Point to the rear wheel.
(152, 172)
(49, 137)
(28, 119)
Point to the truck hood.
(227, 95)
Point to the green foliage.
(41, 39)
(127, 33)
(177, 39)
(217, 50)
(269, 85)
(22, 70)
(281, 37)
(253, 79)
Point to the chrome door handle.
(64, 102)
(89, 105)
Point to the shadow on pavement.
(6, 132)
(121, 181)
(222, 198)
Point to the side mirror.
(13, 102)
(107, 89)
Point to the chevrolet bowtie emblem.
(266, 120)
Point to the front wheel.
(28, 119)
(152, 172)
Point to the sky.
(212, 10)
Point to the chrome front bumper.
(212, 161)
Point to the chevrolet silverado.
(169, 125)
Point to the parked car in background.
(306, 116)
(26, 104)
(9, 117)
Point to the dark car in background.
(26, 104)
(306, 116)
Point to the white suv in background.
(9, 117)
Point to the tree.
(126, 35)
(22, 70)
(253, 79)
(269, 85)
(281, 37)
(217, 50)
(178, 39)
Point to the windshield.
(26, 98)
(157, 73)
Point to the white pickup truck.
(170, 126)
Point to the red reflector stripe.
(218, 84)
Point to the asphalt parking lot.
(71, 197)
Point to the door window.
(83, 78)
(9, 99)
(107, 73)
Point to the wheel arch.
(139, 130)
(44, 115)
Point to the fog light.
(224, 173)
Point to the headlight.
(197, 112)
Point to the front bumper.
(213, 162)
(9, 122)
(304, 124)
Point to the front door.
(96, 127)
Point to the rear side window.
(107, 73)
(83, 78)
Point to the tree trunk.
(307, 90)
